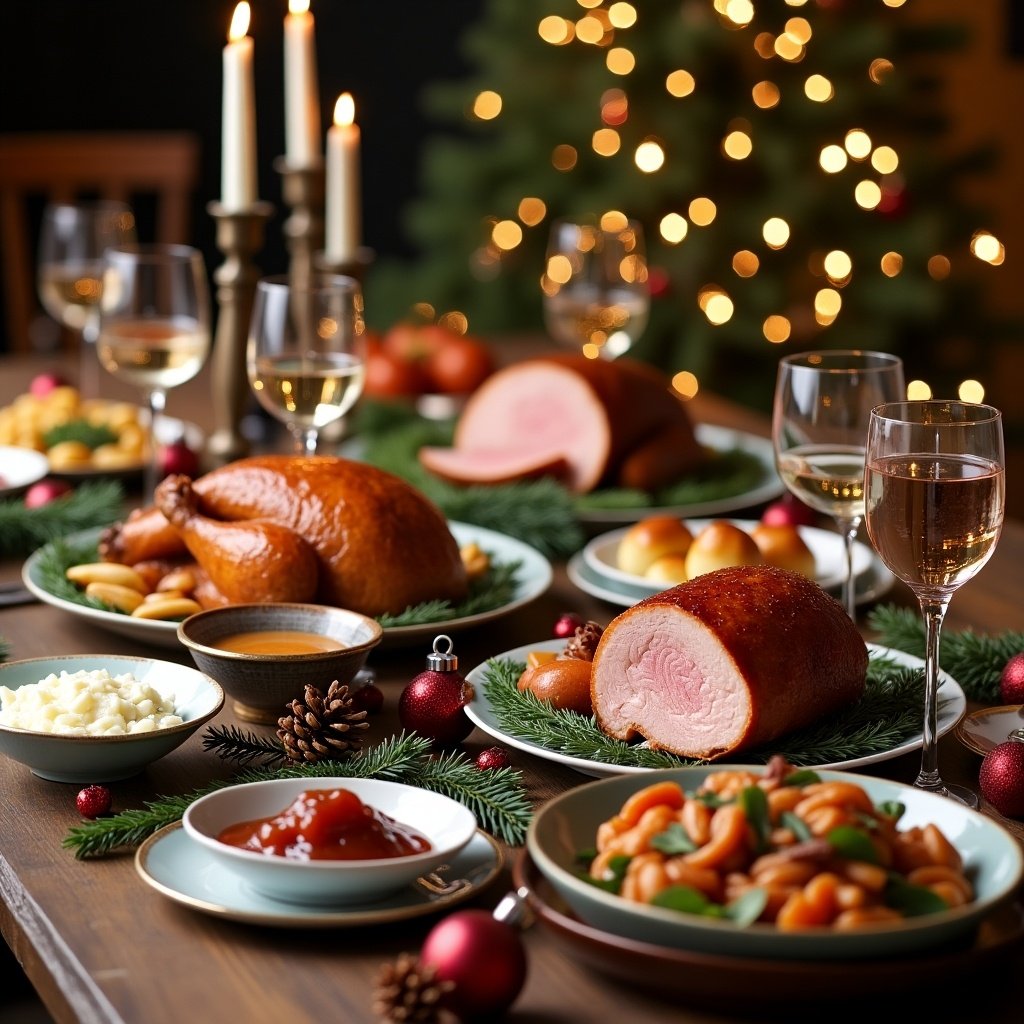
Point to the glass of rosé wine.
(935, 493)
(819, 422)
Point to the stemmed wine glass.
(154, 328)
(306, 354)
(72, 240)
(596, 296)
(935, 487)
(819, 426)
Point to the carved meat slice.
(491, 467)
(729, 660)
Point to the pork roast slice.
(726, 661)
(479, 466)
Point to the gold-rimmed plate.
(982, 730)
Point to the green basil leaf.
(796, 825)
(912, 900)
(746, 909)
(673, 840)
(891, 809)
(852, 843)
(586, 855)
(803, 777)
(612, 882)
(712, 799)
(754, 804)
(687, 900)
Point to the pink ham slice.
(589, 418)
(729, 660)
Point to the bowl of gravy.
(264, 655)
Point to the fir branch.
(54, 561)
(888, 714)
(232, 744)
(22, 530)
(976, 661)
(92, 435)
(496, 797)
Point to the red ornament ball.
(43, 383)
(368, 698)
(1011, 682)
(566, 625)
(493, 757)
(46, 491)
(177, 457)
(789, 511)
(1001, 778)
(93, 801)
(483, 957)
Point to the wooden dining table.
(99, 945)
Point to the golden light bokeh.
(918, 391)
(532, 210)
(745, 263)
(986, 247)
(559, 269)
(818, 89)
(556, 31)
(799, 30)
(788, 48)
(867, 193)
(838, 265)
(564, 157)
(506, 234)
(685, 384)
(455, 320)
(614, 106)
(622, 15)
(939, 267)
(892, 264)
(616, 220)
(765, 95)
(606, 142)
(764, 45)
(620, 61)
(880, 69)
(487, 105)
(885, 160)
(827, 304)
(739, 12)
(649, 156)
(633, 269)
(680, 83)
(673, 228)
(702, 211)
(971, 391)
(775, 232)
(719, 309)
(776, 329)
(832, 159)
(737, 145)
(590, 30)
(857, 143)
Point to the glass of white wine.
(936, 494)
(72, 240)
(823, 401)
(306, 354)
(596, 295)
(154, 328)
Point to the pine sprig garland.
(496, 798)
(232, 744)
(974, 660)
(22, 530)
(888, 714)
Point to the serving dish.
(446, 823)
(992, 859)
(755, 985)
(720, 439)
(87, 759)
(533, 579)
(185, 873)
(952, 706)
(982, 730)
(20, 468)
(600, 555)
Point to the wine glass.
(596, 297)
(306, 355)
(154, 328)
(72, 240)
(819, 428)
(935, 496)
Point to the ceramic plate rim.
(36, 466)
(280, 914)
(720, 438)
(949, 717)
(535, 577)
(815, 537)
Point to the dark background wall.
(156, 64)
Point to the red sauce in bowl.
(327, 824)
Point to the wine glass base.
(961, 794)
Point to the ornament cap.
(442, 659)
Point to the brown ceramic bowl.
(261, 685)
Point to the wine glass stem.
(157, 401)
(309, 438)
(848, 528)
(934, 611)
(88, 361)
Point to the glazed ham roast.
(299, 528)
(589, 421)
(726, 661)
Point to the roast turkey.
(589, 421)
(729, 660)
(298, 528)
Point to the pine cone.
(407, 991)
(323, 727)
(583, 643)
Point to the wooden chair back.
(161, 168)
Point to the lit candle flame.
(239, 22)
(344, 109)
(298, 6)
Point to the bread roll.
(646, 541)
(669, 569)
(718, 545)
(782, 546)
(730, 660)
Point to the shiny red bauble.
(368, 698)
(434, 705)
(493, 757)
(46, 491)
(566, 625)
(43, 383)
(177, 457)
(1001, 778)
(789, 511)
(482, 957)
(1011, 682)
(93, 801)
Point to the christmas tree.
(782, 156)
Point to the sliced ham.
(732, 659)
(615, 423)
(491, 467)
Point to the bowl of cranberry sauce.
(324, 841)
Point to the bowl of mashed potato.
(99, 717)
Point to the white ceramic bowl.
(992, 859)
(87, 759)
(446, 823)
